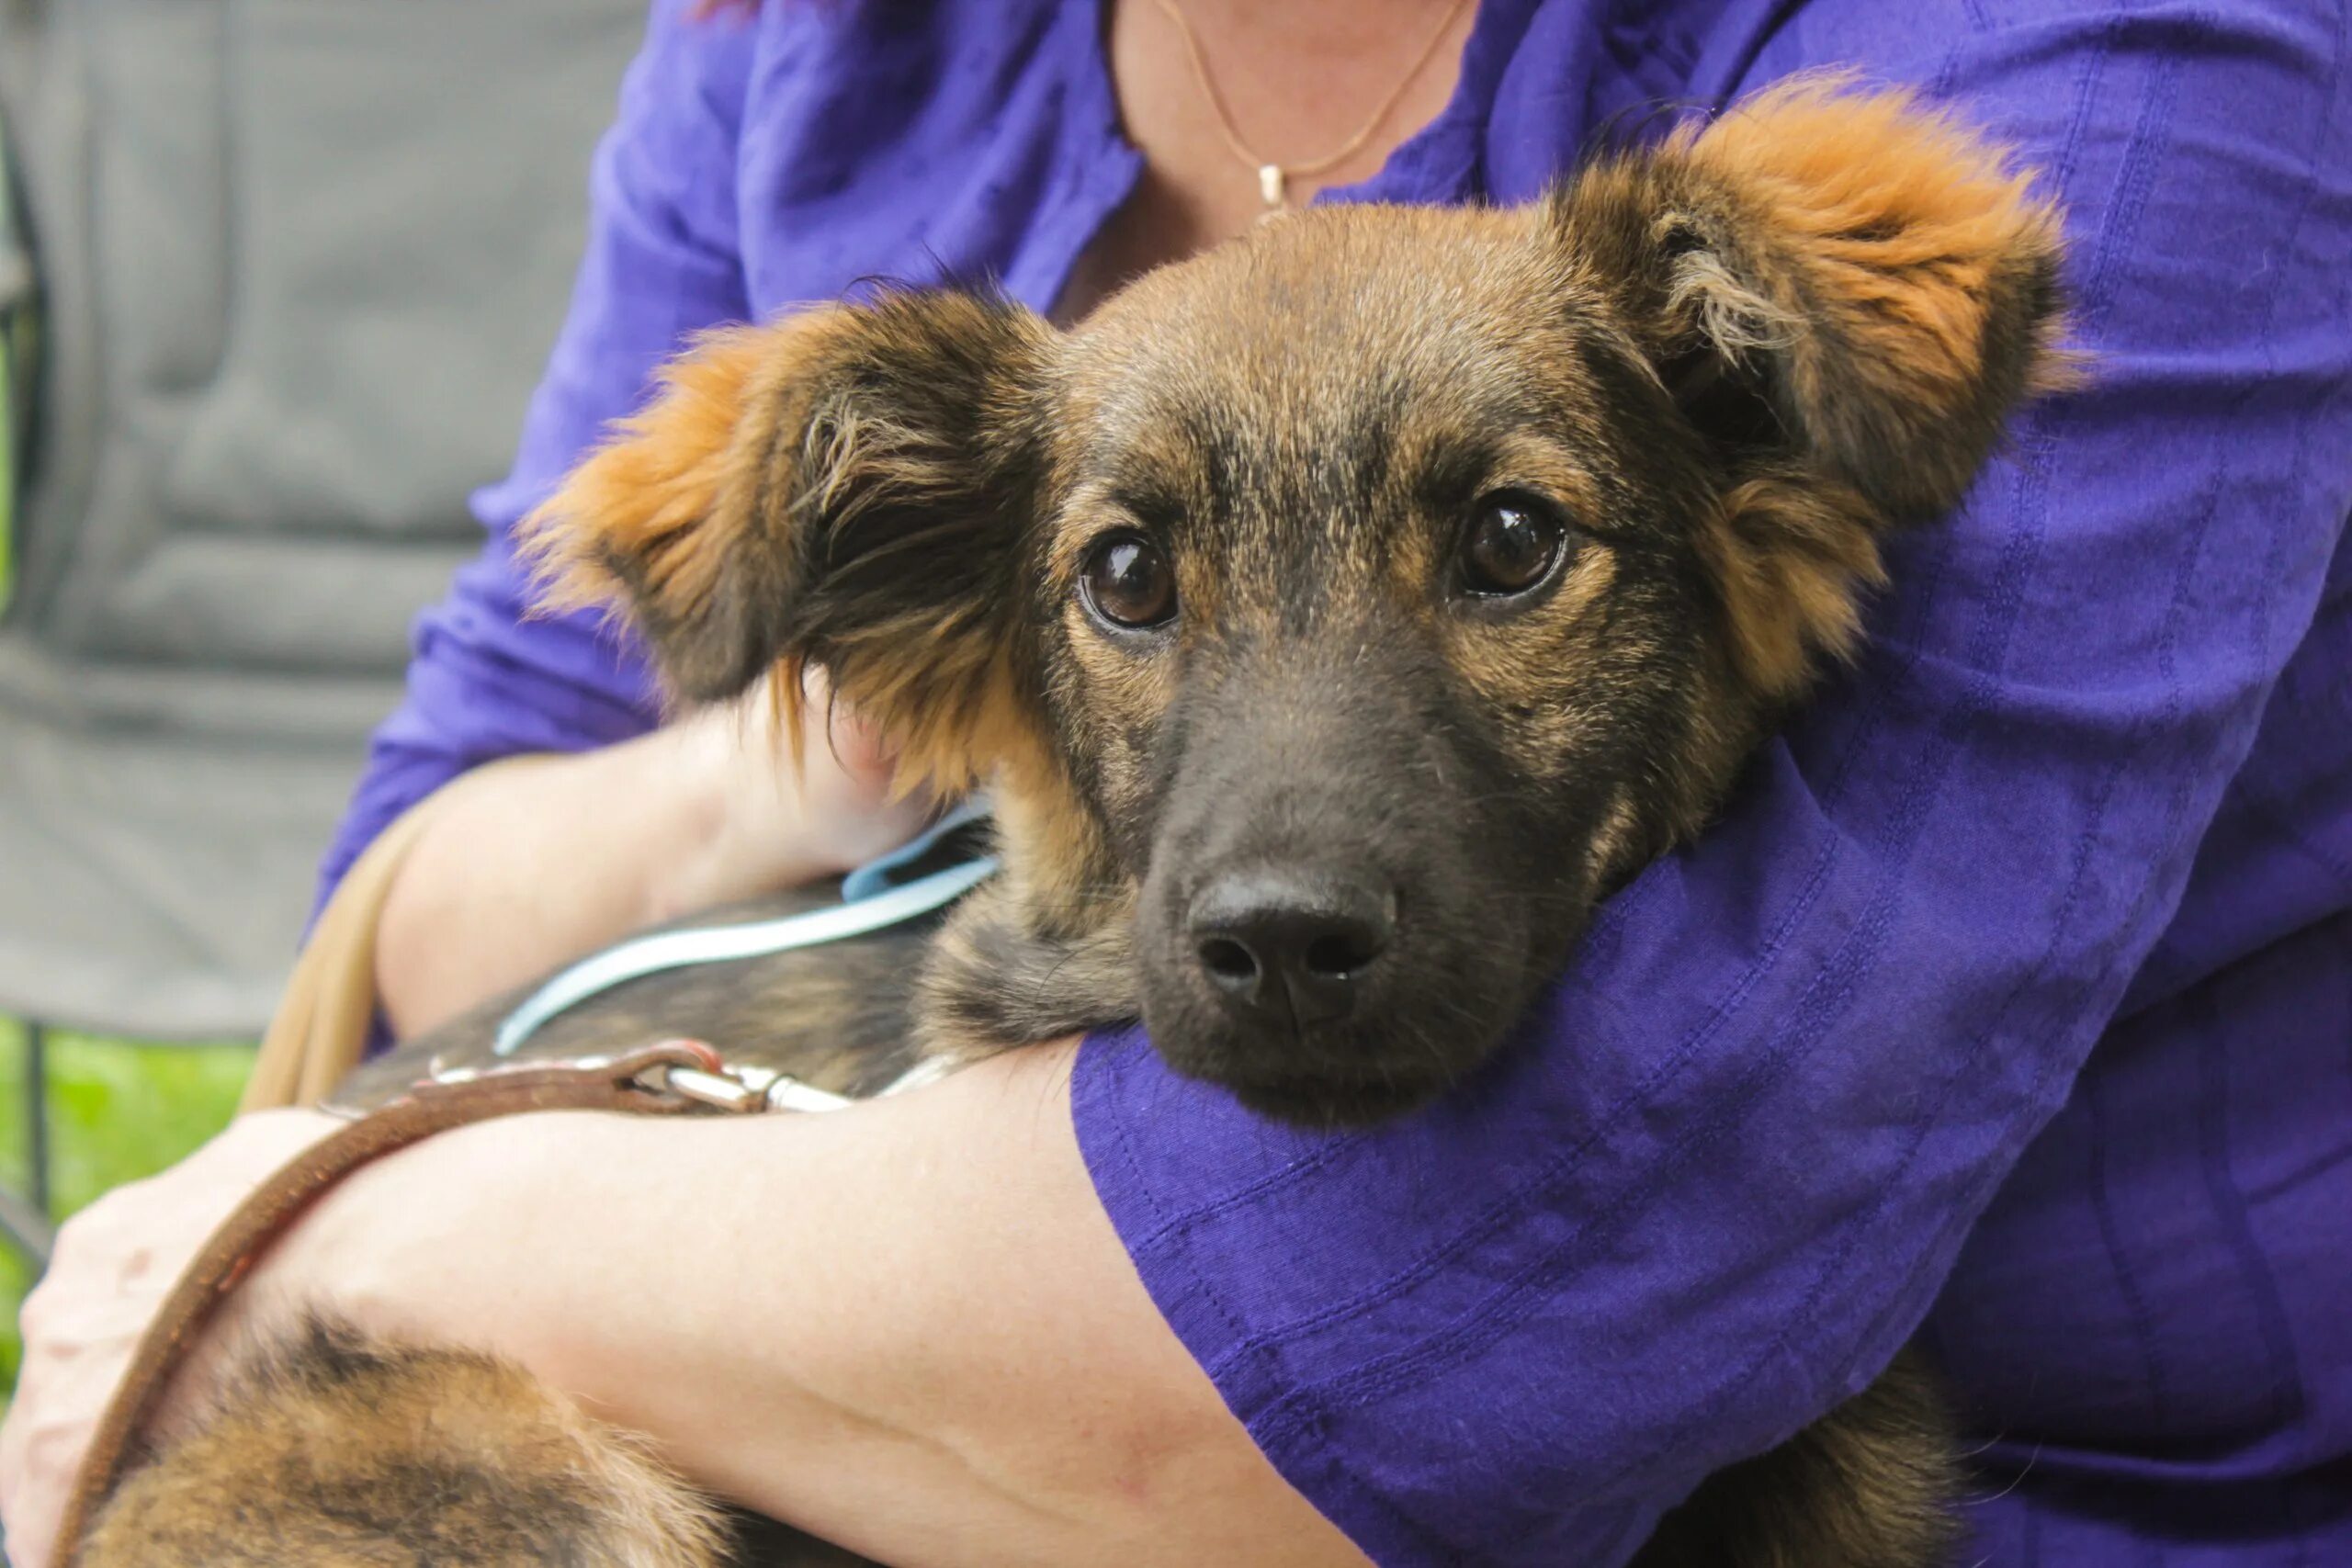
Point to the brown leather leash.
(674, 1078)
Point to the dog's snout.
(1290, 947)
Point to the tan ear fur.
(844, 489)
(1790, 560)
(650, 496)
(1909, 277)
(1847, 294)
(664, 520)
(1905, 283)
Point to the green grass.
(119, 1111)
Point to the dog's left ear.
(847, 488)
(1846, 295)
(1865, 266)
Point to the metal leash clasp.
(674, 1075)
(735, 1090)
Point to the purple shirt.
(2013, 995)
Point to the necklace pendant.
(1272, 186)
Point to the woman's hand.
(770, 825)
(115, 1262)
(524, 870)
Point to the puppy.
(1336, 619)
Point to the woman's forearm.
(524, 870)
(908, 1326)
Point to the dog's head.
(1354, 606)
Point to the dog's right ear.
(1867, 271)
(1847, 293)
(847, 488)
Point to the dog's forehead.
(1315, 322)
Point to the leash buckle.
(685, 1075)
(735, 1090)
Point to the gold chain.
(1273, 179)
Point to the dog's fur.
(1717, 371)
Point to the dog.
(1336, 619)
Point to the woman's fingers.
(114, 1263)
(835, 811)
(864, 758)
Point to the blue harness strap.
(871, 902)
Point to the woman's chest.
(991, 144)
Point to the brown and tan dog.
(1336, 618)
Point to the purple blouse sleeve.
(1717, 1183)
(489, 679)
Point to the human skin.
(953, 1359)
(518, 875)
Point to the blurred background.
(276, 279)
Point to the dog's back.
(333, 1452)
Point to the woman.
(2007, 1000)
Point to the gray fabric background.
(300, 263)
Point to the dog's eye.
(1512, 544)
(1126, 580)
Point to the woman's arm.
(1726, 1170)
(526, 871)
(906, 1325)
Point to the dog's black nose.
(1290, 947)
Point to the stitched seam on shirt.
(1141, 1185)
(2270, 322)
(1808, 1310)
(2135, 1299)
(2141, 161)
(2229, 1203)
(1555, 1171)
(2137, 180)
(2309, 1170)
(2287, 1398)
(1167, 1230)
(2137, 187)
(1832, 985)
(1306, 1434)
(2269, 331)
(2129, 203)
(2259, 805)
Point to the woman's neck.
(1292, 82)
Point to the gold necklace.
(1273, 179)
